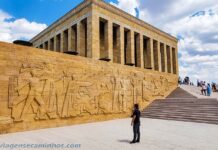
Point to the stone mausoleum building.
(120, 61)
(98, 30)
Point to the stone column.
(49, 48)
(121, 38)
(89, 36)
(73, 37)
(147, 52)
(162, 58)
(109, 39)
(152, 54)
(55, 43)
(141, 50)
(93, 35)
(137, 50)
(43, 45)
(130, 51)
(165, 58)
(116, 44)
(177, 61)
(168, 59)
(171, 59)
(70, 39)
(156, 55)
(62, 42)
(82, 45)
(132, 47)
(78, 37)
(174, 60)
(159, 56)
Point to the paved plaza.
(196, 91)
(116, 135)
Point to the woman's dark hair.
(136, 106)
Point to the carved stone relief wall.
(48, 89)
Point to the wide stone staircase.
(182, 106)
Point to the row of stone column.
(122, 45)
(115, 43)
(73, 39)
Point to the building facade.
(43, 89)
(100, 31)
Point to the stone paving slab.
(116, 134)
(196, 91)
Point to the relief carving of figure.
(79, 97)
(119, 102)
(76, 92)
(34, 85)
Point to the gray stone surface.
(116, 134)
(196, 91)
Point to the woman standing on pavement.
(208, 90)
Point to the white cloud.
(195, 22)
(160, 12)
(199, 45)
(127, 5)
(12, 29)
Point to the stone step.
(185, 120)
(202, 102)
(183, 116)
(199, 102)
(187, 99)
(186, 102)
(182, 111)
(180, 93)
(179, 110)
(182, 106)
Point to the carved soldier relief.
(42, 92)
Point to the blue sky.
(194, 22)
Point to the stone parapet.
(43, 89)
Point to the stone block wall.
(42, 89)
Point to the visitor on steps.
(136, 124)
(208, 90)
(214, 87)
(180, 81)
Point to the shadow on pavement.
(124, 141)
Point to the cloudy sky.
(193, 22)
